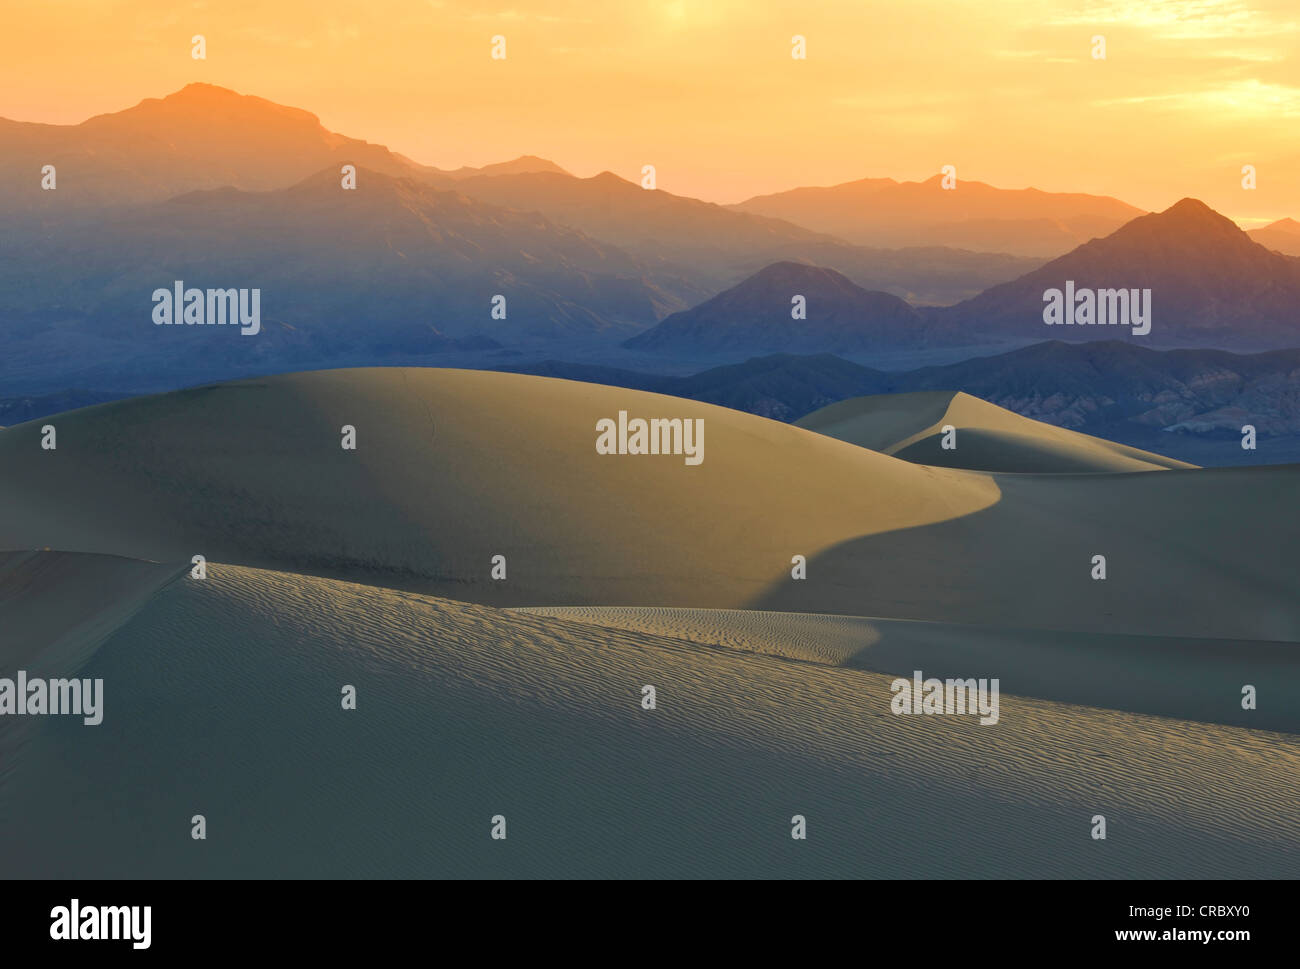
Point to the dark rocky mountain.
(757, 316)
(1211, 285)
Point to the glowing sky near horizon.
(706, 90)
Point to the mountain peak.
(1190, 208)
(198, 104)
(1188, 222)
(838, 316)
(202, 89)
(790, 272)
(534, 162)
(523, 165)
(1210, 282)
(200, 95)
(608, 178)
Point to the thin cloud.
(1180, 19)
(1250, 97)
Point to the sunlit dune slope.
(450, 469)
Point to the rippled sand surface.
(223, 698)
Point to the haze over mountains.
(207, 137)
(221, 189)
(884, 212)
(395, 267)
(1281, 236)
(199, 137)
(1210, 285)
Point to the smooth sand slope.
(988, 437)
(454, 467)
(222, 698)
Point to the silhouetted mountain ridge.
(1210, 283)
(758, 315)
(973, 215)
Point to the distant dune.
(455, 467)
(222, 697)
(986, 437)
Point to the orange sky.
(1006, 90)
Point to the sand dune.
(988, 437)
(222, 698)
(451, 468)
(454, 467)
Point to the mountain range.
(207, 137)
(220, 189)
(200, 137)
(885, 212)
(1281, 236)
(395, 267)
(1211, 284)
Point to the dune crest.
(988, 438)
